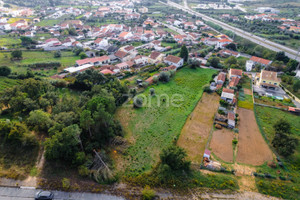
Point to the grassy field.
(30, 57)
(245, 101)
(153, 127)
(267, 117)
(9, 42)
(48, 22)
(7, 83)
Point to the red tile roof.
(236, 72)
(173, 59)
(92, 60)
(228, 90)
(120, 54)
(260, 60)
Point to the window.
(264, 81)
(275, 83)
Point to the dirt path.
(196, 129)
(221, 144)
(252, 148)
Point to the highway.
(291, 53)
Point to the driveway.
(262, 91)
(8, 193)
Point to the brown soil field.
(221, 144)
(195, 131)
(252, 148)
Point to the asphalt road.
(258, 40)
(7, 193)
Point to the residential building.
(268, 80)
(96, 61)
(155, 57)
(235, 73)
(174, 60)
(227, 95)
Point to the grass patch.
(9, 42)
(245, 101)
(48, 22)
(277, 188)
(267, 117)
(154, 127)
(29, 57)
(7, 83)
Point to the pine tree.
(184, 53)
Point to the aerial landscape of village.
(149, 99)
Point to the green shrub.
(66, 183)
(148, 193)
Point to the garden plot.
(196, 130)
(252, 148)
(221, 144)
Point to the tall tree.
(184, 53)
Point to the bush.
(5, 71)
(66, 183)
(148, 193)
(83, 171)
(57, 54)
(137, 102)
(164, 77)
(234, 141)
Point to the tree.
(39, 120)
(16, 54)
(291, 65)
(57, 54)
(232, 47)
(63, 145)
(86, 121)
(283, 142)
(281, 57)
(5, 71)
(82, 55)
(164, 77)
(152, 91)
(184, 53)
(133, 92)
(214, 61)
(137, 102)
(174, 157)
(231, 61)
(26, 40)
(296, 86)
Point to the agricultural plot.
(197, 127)
(252, 148)
(29, 57)
(48, 22)
(151, 128)
(221, 144)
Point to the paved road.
(258, 40)
(7, 193)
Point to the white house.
(174, 60)
(227, 95)
(101, 42)
(249, 65)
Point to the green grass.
(246, 102)
(7, 83)
(48, 22)
(171, 31)
(267, 117)
(9, 42)
(154, 127)
(167, 44)
(29, 57)
(278, 188)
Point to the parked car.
(44, 195)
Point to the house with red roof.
(227, 95)
(223, 42)
(261, 61)
(235, 73)
(155, 57)
(174, 60)
(96, 61)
